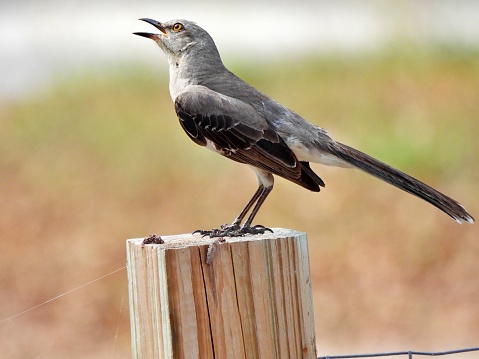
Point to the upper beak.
(156, 24)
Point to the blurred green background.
(93, 154)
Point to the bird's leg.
(251, 202)
(258, 229)
(234, 229)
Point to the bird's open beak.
(156, 24)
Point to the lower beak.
(156, 24)
(145, 34)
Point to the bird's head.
(179, 37)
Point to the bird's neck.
(193, 69)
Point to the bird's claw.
(233, 230)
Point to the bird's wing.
(236, 130)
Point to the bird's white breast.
(177, 86)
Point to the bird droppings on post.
(210, 252)
(152, 239)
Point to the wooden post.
(253, 301)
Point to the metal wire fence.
(410, 354)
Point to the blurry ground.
(101, 158)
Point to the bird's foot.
(233, 230)
(225, 230)
(257, 229)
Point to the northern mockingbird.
(220, 111)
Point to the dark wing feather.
(238, 132)
(190, 127)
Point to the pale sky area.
(40, 40)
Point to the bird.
(223, 113)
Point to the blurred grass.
(100, 158)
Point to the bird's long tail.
(401, 180)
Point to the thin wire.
(410, 353)
(118, 324)
(66, 293)
(61, 295)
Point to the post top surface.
(188, 239)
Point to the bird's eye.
(177, 27)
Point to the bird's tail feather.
(401, 180)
